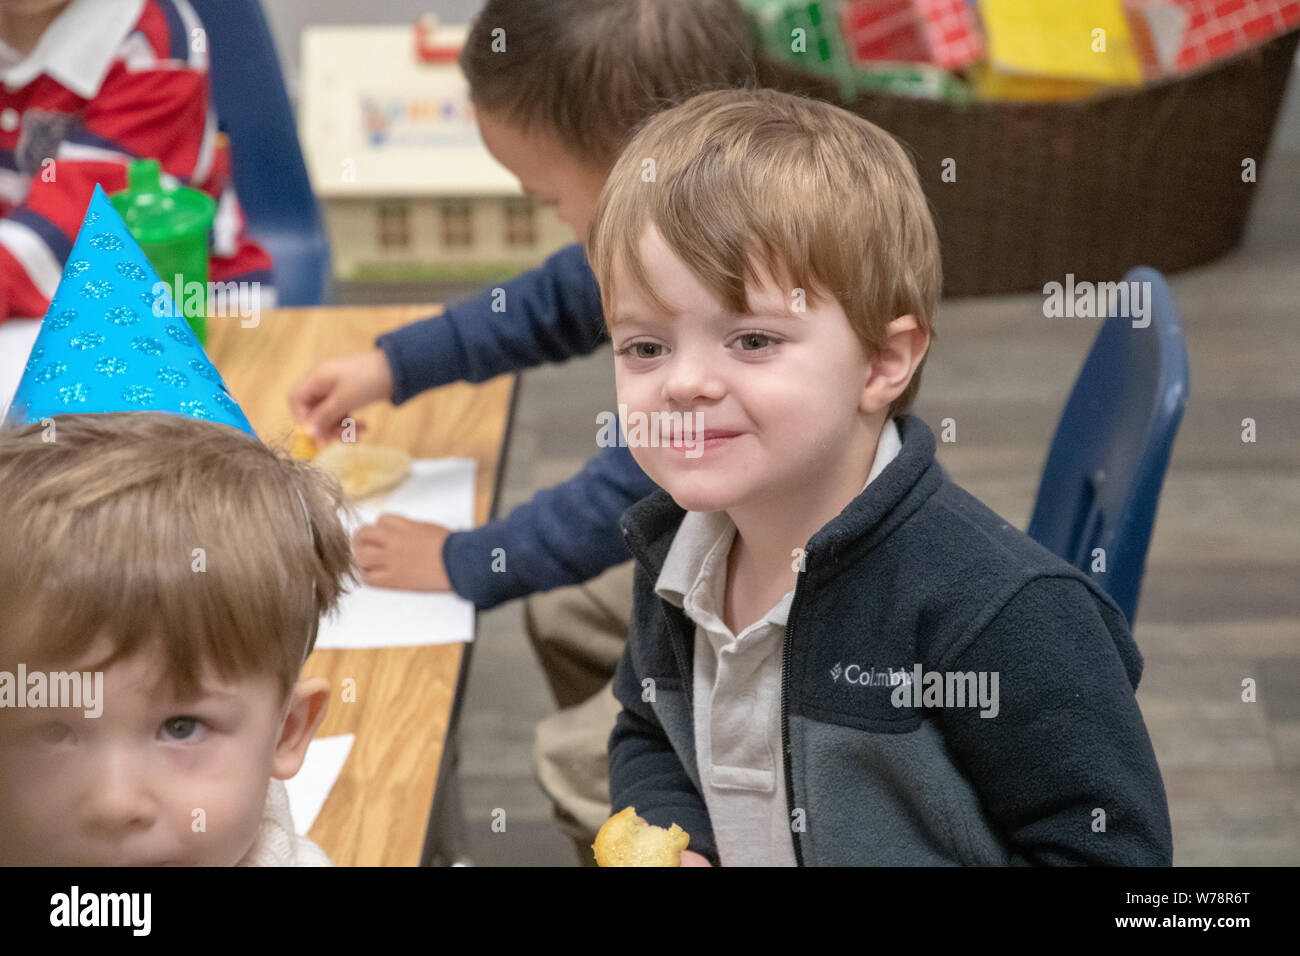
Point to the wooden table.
(379, 810)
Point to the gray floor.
(1220, 600)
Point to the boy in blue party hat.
(162, 573)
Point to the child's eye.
(761, 338)
(635, 349)
(181, 728)
(52, 733)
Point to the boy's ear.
(307, 704)
(894, 365)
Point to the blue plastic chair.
(266, 159)
(1102, 480)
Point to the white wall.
(288, 17)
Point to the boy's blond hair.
(98, 531)
(587, 72)
(824, 200)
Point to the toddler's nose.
(117, 795)
(691, 377)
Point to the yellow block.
(990, 84)
(1067, 39)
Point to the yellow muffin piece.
(365, 469)
(302, 446)
(624, 840)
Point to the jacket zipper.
(688, 680)
(786, 654)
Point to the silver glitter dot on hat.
(147, 344)
(122, 316)
(106, 242)
(62, 320)
(172, 377)
(86, 340)
(76, 392)
(111, 366)
(51, 372)
(226, 402)
(205, 369)
(181, 336)
(138, 395)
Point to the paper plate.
(364, 470)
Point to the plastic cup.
(172, 227)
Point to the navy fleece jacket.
(914, 571)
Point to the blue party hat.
(113, 339)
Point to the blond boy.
(809, 576)
(180, 567)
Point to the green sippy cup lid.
(154, 214)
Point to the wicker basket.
(1091, 187)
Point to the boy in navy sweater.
(837, 655)
(555, 94)
(554, 106)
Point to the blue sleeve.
(1068, 738)
(565, 535)
(548, 314)
(644, 769)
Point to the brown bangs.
(157, 531)
(742, 182)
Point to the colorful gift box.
(987, 83)
(1179, 36)
(940, 32)
(913, 79)
(805, 35)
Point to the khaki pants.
(579, 633)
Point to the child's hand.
(396, 552)
(689, 857)
(335, 388)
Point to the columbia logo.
(869, 676)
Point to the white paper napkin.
(313, 783)
(438, 490)
(17, 336)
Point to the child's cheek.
(644, 457)
(37, 818)
(216, 808)
(24, 829)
